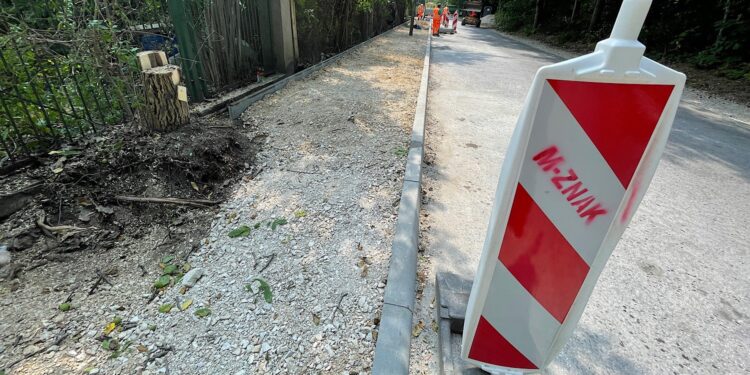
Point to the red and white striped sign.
(580, 160)
(587, 141)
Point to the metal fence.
(46, 101)
(68, 67)
(220, 41)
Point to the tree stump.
(165, 101)
(151, 59)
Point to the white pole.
(630, 19)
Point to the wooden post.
(165, 105)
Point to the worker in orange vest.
(420, 11)
(445, 15)
(436, 21)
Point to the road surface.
(675, 295)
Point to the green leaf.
(165, 308)
(257, 225)
(167, 259)
(170, 269)
(152, 327)
(117, 320)
(162, 281)
(242, 231)
(278, 222)
(64, 307)
(202, 312)
(185, 304)
(265, 289)
(300, 213)
(105, 344)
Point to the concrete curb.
(239, 106)
(394, 335)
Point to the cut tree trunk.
(151, 59)
(165, 101)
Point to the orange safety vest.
(435, 20)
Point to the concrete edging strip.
(239, 106)
(394, 333)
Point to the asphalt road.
(675, 295)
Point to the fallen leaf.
(170, 269)
(278, 222)
(185, 304)
(434, 326)
(202, 312)
(195, 186)
(64, 307)
(165, 308)
(316, 319)
(242, 231)
(162, 281)
(85, 216)
(105, 210)
(265, 289)
(109, 328)
(58, 170)
(141, 348)
(300, 213)
(417, 330)
(363, 274)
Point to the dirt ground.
(309, 182)
(76, 246)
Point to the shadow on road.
(701, 136)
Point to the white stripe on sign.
(569, 180)
(526, 324)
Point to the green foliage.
(68, 67)
(331, 26)
(709, 34)
(513, 15)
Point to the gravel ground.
(319, 209)
(321, 216)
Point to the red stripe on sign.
(489, 346)
(618, 118)
(540, 258)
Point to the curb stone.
(394, 334)
(239, 106)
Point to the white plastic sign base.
(582, 155)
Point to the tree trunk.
(573, 13)
(411, 14)
(727, 7)
(596, 14)
(537, 14)
(165, 105)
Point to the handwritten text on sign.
(586, 205)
